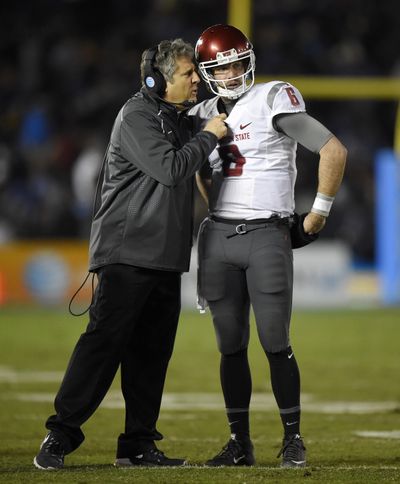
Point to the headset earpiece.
(153, 79)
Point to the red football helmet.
(219, 45)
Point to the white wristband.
(322, 204)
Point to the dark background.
(68, 66)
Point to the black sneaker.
(234, 453)
(293, 452)
(149, 458)
(51, 454)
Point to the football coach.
(140, 243)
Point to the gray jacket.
(143, 211)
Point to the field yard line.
(376, 434)
(10, 375)
(213, 401)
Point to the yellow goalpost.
(318, 87)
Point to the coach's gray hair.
(168, 51)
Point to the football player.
(245, 244)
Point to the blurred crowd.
(67, 66)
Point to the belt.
(241, 226)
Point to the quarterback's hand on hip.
(313, 223)
(217, 126)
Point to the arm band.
(322, 204)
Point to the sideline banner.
(51, 272)
(46, 272)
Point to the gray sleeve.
(303, 128)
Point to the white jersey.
(254, 168)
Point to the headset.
(153, 79)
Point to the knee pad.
(274, 337)
(231, 342)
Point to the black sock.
(285, 382)
(291, 423)
(239, 424)
(236, 387)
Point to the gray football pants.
(254, 268)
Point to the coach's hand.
(217, 126)
(314, 223)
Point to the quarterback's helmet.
(219, 45)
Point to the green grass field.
(350, 366)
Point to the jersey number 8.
(229, 155)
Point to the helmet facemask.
(220, 87)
